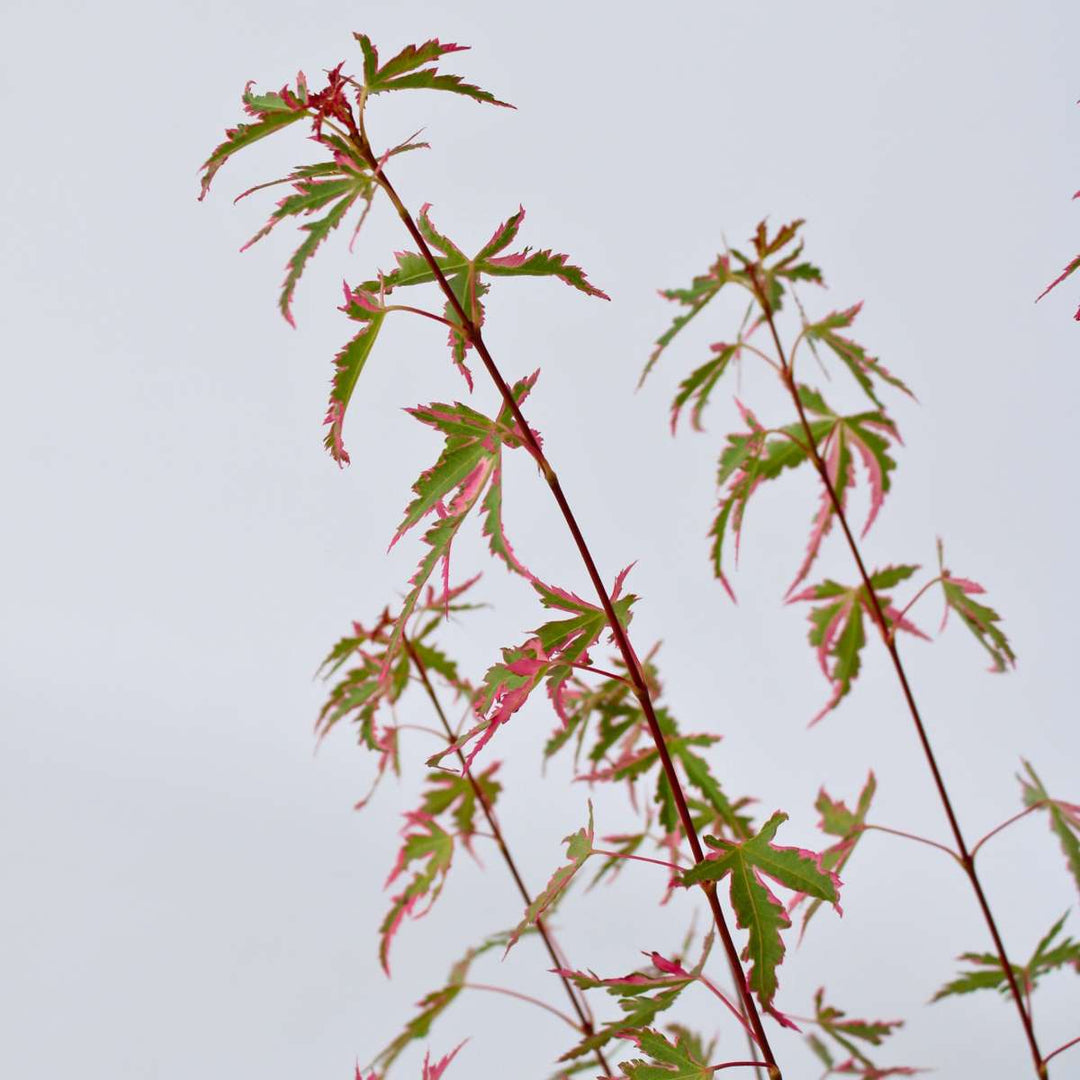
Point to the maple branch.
(1005, 824)
(581, 1006)
(882, 623)
(622, 641)
(524, 997)
(916, 838)
(1065, 1046)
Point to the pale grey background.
(186, 890)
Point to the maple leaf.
(753, 457)
(863, 367)
(469, 463)
(700, 383)
(426, 842)
(786, 267)
(434, 1004)
(978, 618)
(466, 276)
(987, 973)
(348, 364)
(272, 112)
(1064, 817)
(333, 186)
(757, 909)
(666, 1060)
(361, 691)
(549, 653)
(852, 1036)
(848, 825)
(642, 996)
(409, 70)
(579, 846)
(455, 793)
(838, 632)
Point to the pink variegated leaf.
(747, 864)
(845, 824)
(348, 365)
(454, 485)
(864, 368)
(434, 1004)
(749, 460)
(271, 113)
(529, 263)
(981, 620)
(503, 236)
(1064, 818)
(550, 654)
(416, 68)
(838, 630)
(579, 846)
(852, 1037)
(427, 843)
(684, 1059)
(642, 996)
(701, 290)
(986, 972)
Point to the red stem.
(637, 858)
(505, 990)
(629, 657)
(1005, 824)
(913, 836)
(890, 645)
(581, 1007)
(1065, 1046)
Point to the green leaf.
(853, 1036)
(642, 996)
(579, 846)
(757, 910)
(272, 112)
(749, 459)
(840, 821)
(1064, 818)
(978, 618)
(987, 973)
(348, 364)
(666, 1060)
(702, 289)
(428, 843)
(468, 463)
(837, 629)
(434, 1004)
(406, 71)
(700, 383)
(455, 793)
(864, 368)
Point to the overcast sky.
(187, 891)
